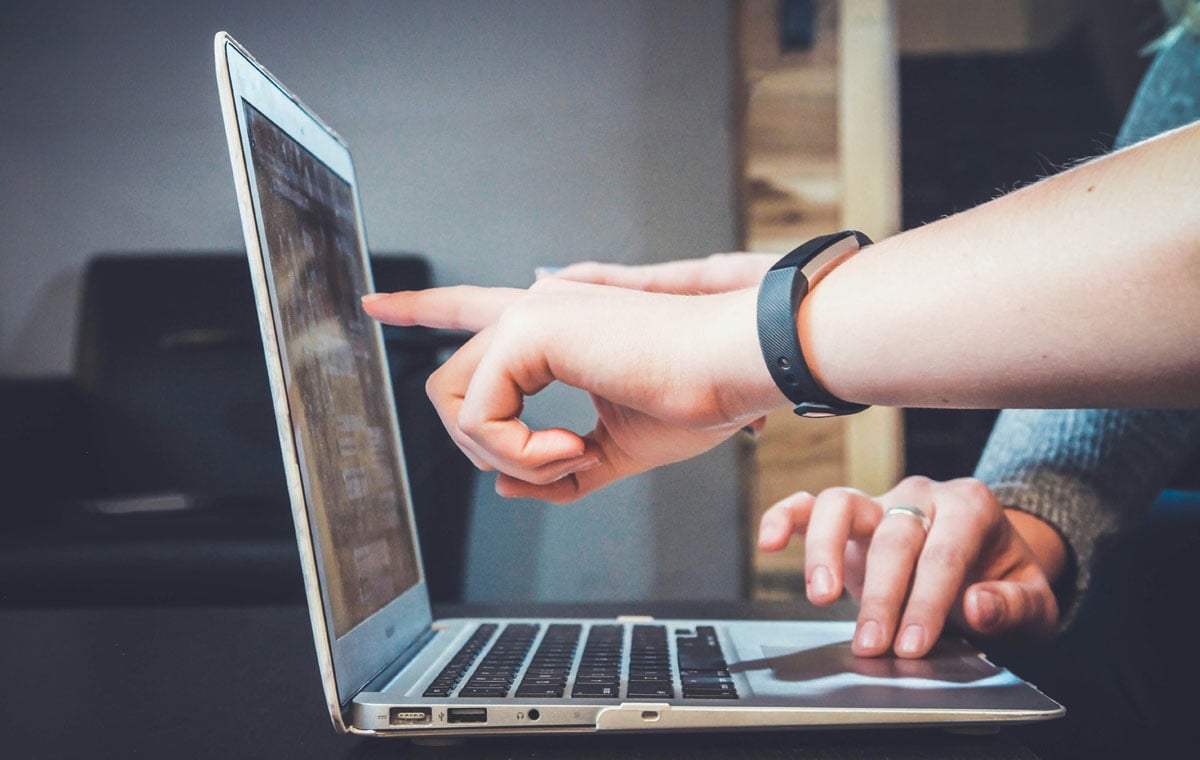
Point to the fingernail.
(990, 607)
(870, 635)
(372, 297)
(911, 640)
(822, 581)
(540, 272)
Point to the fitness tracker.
(779, 296)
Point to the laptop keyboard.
(461, 662)
(649, 668)
(495, 674)
(547, 673)
(650, 671)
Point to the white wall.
(492, 136)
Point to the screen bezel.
(348, 662)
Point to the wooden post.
(869, 159)
(818, 133)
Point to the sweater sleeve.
(1088, 473)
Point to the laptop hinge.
(381, 679)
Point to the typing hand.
(670, 377)
(976, 565)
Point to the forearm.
(1080, 290)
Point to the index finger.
(460, 307)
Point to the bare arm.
(1080, 290)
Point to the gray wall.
(494, 137)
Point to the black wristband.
(779, 296)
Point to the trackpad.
(821, 672)
(790, 664)
(809, 664)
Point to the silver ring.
(911, 511)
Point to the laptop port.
(410, 716)
(466, 715)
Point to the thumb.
(995, 608)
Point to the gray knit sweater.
(1090, 473)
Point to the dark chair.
(154, 474)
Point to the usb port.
(466, 715)
(410, 716)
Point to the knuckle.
(968, 504)
(433, 384)
(839, 497)
(519, 313)
(787, 503)
(470, 423)
(780, 514)
(877, 605)
(973, 492)
(923, 611)
(915, 482)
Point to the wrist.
(782, 296)
(738, 376)
(1043, 540)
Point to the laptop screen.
(341, 415)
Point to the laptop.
(388, 668)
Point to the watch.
(779, 296)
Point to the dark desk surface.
(242, 682)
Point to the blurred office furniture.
(154, 474)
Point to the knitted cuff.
(1073, 510)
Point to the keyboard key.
(526, 690)
(703, 672)
(596, 690)
(644, 689)
(547, 673)
(600, 664)
(482, 691)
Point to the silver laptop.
(387, 666)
